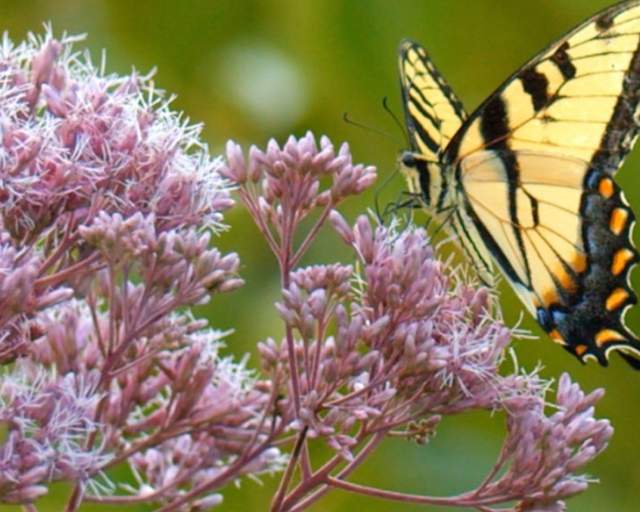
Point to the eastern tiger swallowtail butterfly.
(526, 182)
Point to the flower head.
(282, 186)
(108, 204)
(551, 449)
(47, 423)
(76, 141)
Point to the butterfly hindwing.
(563, 243)
(594, 324)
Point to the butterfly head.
(424, 177)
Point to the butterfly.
(526, 181)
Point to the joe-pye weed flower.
(108, 202)
(110, 206)
(391, 345)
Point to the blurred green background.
(252, 70)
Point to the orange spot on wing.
(607, 335)
(579, 263)
(565, 279)
(550, 297)
(616, 299)
(606, 188)
(621, 259)
(580, 349)
(557, 337)
(618, 220)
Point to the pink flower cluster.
(108, 203)
(389, 346)
(109, 206)
(47, 419)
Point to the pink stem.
(248, 201)
(312, 234)
(72, 270)
(455, 501)
(319, 477)
(276, 505)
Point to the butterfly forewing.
(578, 97)
(432, 111)
(434, 115)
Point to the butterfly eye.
(408, 160)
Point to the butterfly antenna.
(368, 128)
(396, 119)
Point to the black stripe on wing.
(494, 126)
(536, 85)
(461, 229)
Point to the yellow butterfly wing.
(577, 98)
(565, 247)
(433, 113)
